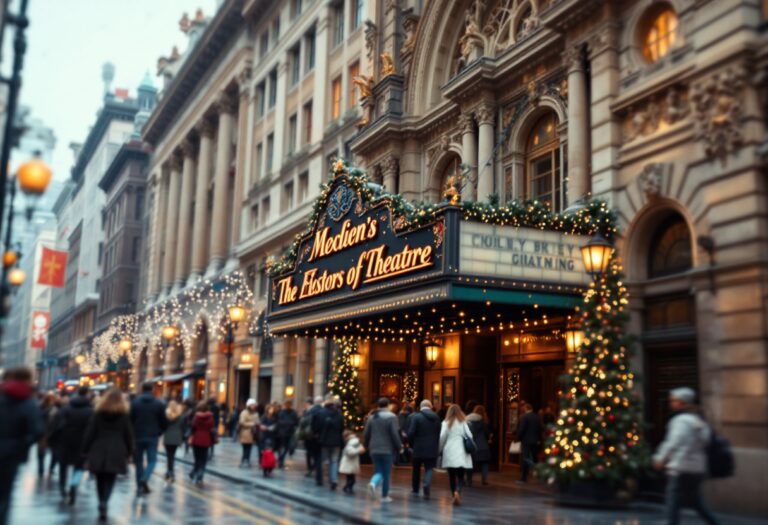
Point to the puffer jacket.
(202, 427)
(350, 457)
(684, 449)
(452, 445)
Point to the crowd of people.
(104, 434)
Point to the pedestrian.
(268, 428)
(683, 455)
(382, 440)
(454, 429)
(215, 411)
(287, 421)
(403, 421)
(247, 424)
(350, 459)
(306, 433)
(187, 416)
(328, 425)
(173, 436)
(21, 425)
(267, 458)
(424, 437)
(202, 438)
(108, 444)
(529, 434)
(233, 420)
(149, 423)
(483, 436)
(68, 437)
(48, 412)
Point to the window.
(139, 209)
(336, 98)
(295, 65)
(338, 25)
(307, 118)
(264, 211)
(670, 249)
(270, 151)
(135, 248)
(254, 217)
(354, 71)
(287, 196)
(101, 252)
(303, 187)
(264, 45)
(358, 10)
(275, 30)
(292, 133)
(544, 180)
(296, 8)
(659, 33)
(272, 88)
(259, 158)
(262, 91)
(310, 48)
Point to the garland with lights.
(345, 385)
(598, 433)
(410, 387)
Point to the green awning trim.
(465, 293)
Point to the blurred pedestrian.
(215, 411)
(483, 436)
(267, 458)
(382, 440)
(68, 438)
(232, 422)
(683, 455)
(424, 436)
(108, 444)
(456, 460)
(21, 424)
(173, 437)
(403, 421)
(306, 433)
(287, 421)
(268, 427)
(529, 433)
(203, 437)
(350, 459)
(187, 416)
(328, 425)
(247, 431)
(149, 423)
(48, 412)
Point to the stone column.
(485, 118)
(578, 127)
(243, 148)
(301, 371)
(389, 171)
(183, 254)
(158, 229)
(200, 221)
(409, 179)
(219, 237)
(172, 223)
(319, 384)
(319, 102)
(279, 360)
(469, 156)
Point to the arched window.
(544, 179)
(452, 168)
(670, 251)
(658, 33)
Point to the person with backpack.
(683, 455)
(307, 435)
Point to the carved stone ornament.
(410, 23)
(389, 165)
(534, 92)
(226, 104)
(466, 123)
(391, 5)
(658, 111)
(485, 114)
(573, 58)
(188, 148)
(387, 65)
(364, 84)
(206, 128)
(651, 179)
(717, 112)
(442, 146)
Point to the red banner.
(52, 268)
(40, 322)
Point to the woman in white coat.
(455, 458)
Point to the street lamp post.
(236, 314)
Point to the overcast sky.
(70, 40)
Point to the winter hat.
(684, 394)
(250, 402)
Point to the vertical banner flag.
(40, 322)
(52, 268)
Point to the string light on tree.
(345, 384)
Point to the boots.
(72, 496)
(102, 512)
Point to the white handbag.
(514, 447)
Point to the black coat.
(530, 430)
(108, 443)
(328, 426)
(424, 434)
(72, 420)
(20, 422)
(148, 417)
(481, 432)
(287, 421)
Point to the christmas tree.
(344, 384)
(410, 387)
(597, 435)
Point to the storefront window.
(544, 178)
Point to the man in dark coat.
(424, 437)
(529, 434)
(216, 412)
(306, 432)
(69, 427)
(149, 422)
(287, 421)
(328, 426)
(21, 425)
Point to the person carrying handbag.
(456, 446)
(247, 426)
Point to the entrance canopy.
(372, 266)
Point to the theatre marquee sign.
(527, 254)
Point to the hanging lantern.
(17, 276)
(289, 390)
(10, 258)
(124, 344)
(169, 332)
(236, 313)
(432, 351)
(34, 177)
(80, 359)
(596, 254)
(245, 359)
(355, 359)
(573, 338)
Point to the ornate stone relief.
(656, 112)
(410, 23)
(717, 111)
(652, 178)
(442, 145)
(511, 21)
(557, 89)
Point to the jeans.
(429, 464)
(331, 455)
(105, 482)
(456, 479)
(170, 453)
(685, 490)
(148, 446)
(247, 447)
(483, 467)
(8, 471)
(201, 458)
(382, 472)
(528, 459)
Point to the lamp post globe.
(34, 177)
(597, 255)
(236, 313)
(125, 344)
(10, 258)
(17, 276)
(169, 332)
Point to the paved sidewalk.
(500, 502)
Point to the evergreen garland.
(345, 385)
